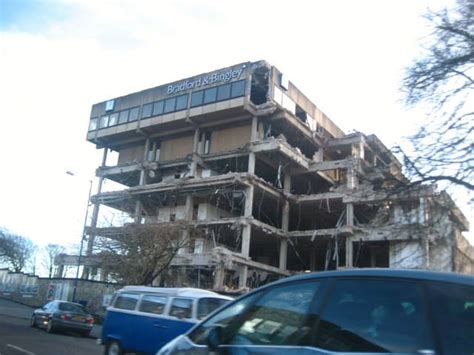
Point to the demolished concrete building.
(275, 184)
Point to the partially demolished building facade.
(274, 184)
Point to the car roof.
(183, 292)
(450, 277)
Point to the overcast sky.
(60, 57)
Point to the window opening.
(260, 86)
(158, 108)
(210, 95)
(223, 92)
(147, 110)
(182, 102)
(113, 119)
(207, 142)
(301, 114)
(197, 98)
(134, 114)
(123, 116)
(93, 124)
(238, 89)
(170, 105)
(104, 121)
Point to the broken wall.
(441, 256)
(131, 154)
(410, 254)
(164, 213)
(207, 211)
(227, 139)
(176, 148)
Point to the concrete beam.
(348, 140)
(317, 197)
(321, 232)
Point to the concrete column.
(349, 214)
(193, 168)
(285, 220)
(189, 207)
(251, 167)
(219, 274)
(427, 252)
(352, 180)
(249, 194)
(283, 253)
(243, 275)
(349, 252)
(254, 132)
(145, 158)
(138, 212)
(246, 236)
(358, 150)
(95, 211)
(189, 217)
(246, 233)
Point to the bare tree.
(52, 251)
(444, 79)
(139, 253)
(15, 250)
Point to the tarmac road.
(18, 338)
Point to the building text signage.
(217, 77)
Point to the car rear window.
(374, 316)
(68, 307)
(208, 305)
(453, 312)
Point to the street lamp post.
(76, 279)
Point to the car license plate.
(78, 318)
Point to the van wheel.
(113, 348)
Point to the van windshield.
(209, 305)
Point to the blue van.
(143, 319)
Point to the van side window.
(153, 304)
(126, 301)
(181, 308)
(374, 316)
(208, 305)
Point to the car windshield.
(71, 307)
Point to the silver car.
(61, 315)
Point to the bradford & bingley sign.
(202, 81)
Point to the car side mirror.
(214, 338)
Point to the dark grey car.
(62, 315)
(371, 311)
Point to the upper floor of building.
(224, 95)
